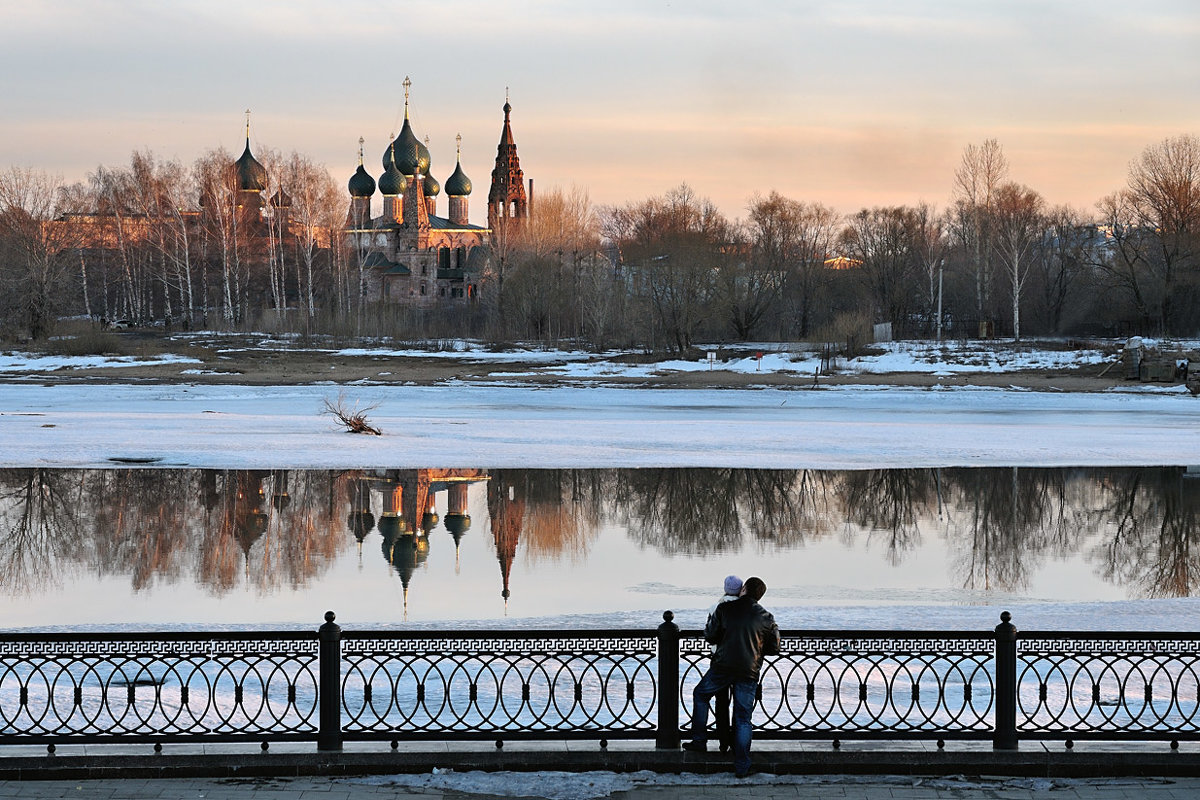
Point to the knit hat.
(733, 584)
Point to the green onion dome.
(458, 184)
(251, 175)
(392, 182)
(432, 187)
(361, 184)
(411, 156)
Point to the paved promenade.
(767, 787)
(583, 771)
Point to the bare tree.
(1155, 227)
(313, 200)
(884, 240)
(677, 245)
(1019, 223)
(547, 257)
(36, 248)
(217, 185)
(929, 246)
(1059, 260)
(979, 174)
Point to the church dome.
(251, 175)
(361, 184)
(458, 184)
(432, 187)
(392, 182)
(411, 156)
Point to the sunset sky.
(850, 103)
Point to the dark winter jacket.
(743, 632)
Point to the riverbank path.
(766, 787)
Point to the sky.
(850, 103)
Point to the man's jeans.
(743, 707)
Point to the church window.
(443, 258)
(442, 292)
(381, 240)
(422, 288)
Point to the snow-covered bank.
(510, 426)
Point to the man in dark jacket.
(743, 632)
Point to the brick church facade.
(412, 255)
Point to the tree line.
(157, 241)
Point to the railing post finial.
(668, 683)
(329, 684)
(1004, 734)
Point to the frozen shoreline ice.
(485, 425)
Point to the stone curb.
(1042, 763)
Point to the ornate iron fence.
(332, 686)
(517, 684)
(157, 687)
(1108, 685)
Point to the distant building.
(412, 255)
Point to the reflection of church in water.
(408, 515)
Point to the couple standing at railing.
(742, 632)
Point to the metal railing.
(332, 686)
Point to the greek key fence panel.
(157, 687)
(1088, 685)
(529, 684)
(865, 684)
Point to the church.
(411, 254)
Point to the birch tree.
(979, 174)
(1019, 223)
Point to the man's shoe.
(696, 747)
(745, 774)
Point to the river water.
(168, 548)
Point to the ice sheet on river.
(460, 425)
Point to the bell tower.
(506, 199)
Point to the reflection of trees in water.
(889, 502)
(270, 529)
(276, 528)
(273, 527)
(1151, 521)
(1004, 521)
(712, 510)
(38, 526)
(138, 523)
(563, 511)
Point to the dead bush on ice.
(352, 418)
